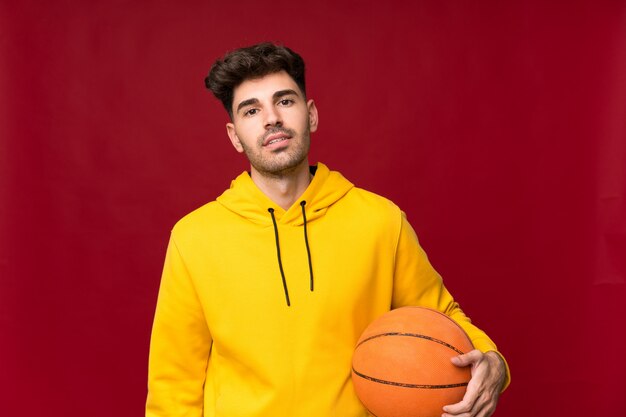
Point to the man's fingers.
(459, 408)
(466, 404)
(468, 358)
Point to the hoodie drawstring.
(280, 262)
(306, 242)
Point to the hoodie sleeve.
(180, 344)
(417, 283)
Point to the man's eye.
(250, 112)
(285, 102)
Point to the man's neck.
(283, 189)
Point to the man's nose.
(272, 118)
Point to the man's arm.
(417, 283)
(180, 344)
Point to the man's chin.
(281, 170)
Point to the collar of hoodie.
(246, 200)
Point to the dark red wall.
(499, 127)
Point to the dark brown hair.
(252, 62)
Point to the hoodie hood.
(247, 200)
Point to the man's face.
(272, 123)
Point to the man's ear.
(313, 116)
(234, 139)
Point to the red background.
(499, 127)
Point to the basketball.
(401, 365)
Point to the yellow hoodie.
(225, 341)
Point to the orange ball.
(401, 365)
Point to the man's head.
(262, 88)
(252, 62)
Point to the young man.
(266, 290)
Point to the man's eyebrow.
(247, 103)
(282, 93)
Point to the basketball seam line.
(419, 336)
(406, 385)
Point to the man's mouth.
(273, 141)
(276, 138)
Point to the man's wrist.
(495, 356)
(497, 362)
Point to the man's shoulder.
(200, 219)
(376, 216)
(371, 210)
(371, 201)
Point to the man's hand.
(483, 390)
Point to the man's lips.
(275, 138)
